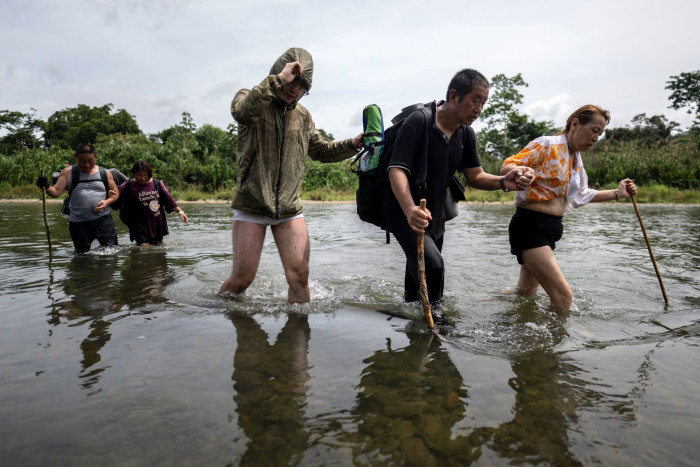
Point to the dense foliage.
(673, 162)
(651, 150)
(184, 156)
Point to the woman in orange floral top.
(560, 182)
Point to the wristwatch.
(503, 185)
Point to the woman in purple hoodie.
(143, 202)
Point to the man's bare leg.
(248, 239)
(292, 241)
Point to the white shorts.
(262, 220)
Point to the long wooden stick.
(646, 237)
(421, 276)
(46, 220)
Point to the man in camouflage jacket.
(275, 134)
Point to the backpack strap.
(422, 176)
(159, 186)
(105, 180)
(123, 196)
(75, 179)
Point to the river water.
(129, 357)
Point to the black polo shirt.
(445, 157)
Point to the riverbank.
(656, 194)
(309, 202)
(199, 201)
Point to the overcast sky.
(159, 58)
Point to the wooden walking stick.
(656, 268)
(46, 220)
(421, 277)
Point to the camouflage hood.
(296, 54)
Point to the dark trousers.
(83, 233)
(434, 265)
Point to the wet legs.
(541, 268)
(292, 240)
(248, 239)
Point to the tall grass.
(675, 163)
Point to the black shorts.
(531, 229)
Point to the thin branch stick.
(46, 220)
(421, 276)
(646, 237)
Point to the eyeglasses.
(298, 85)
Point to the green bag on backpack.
(373, 163)
(373, 160)
(372, 138)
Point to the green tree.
(326, 136)
(503, 99)
(210, 139)
(70, 127)
(22, 130)
(507, 130)
(324, 176)
(121, 151)
(647, 130)
(182, 133)
(685, 92)
(229, 149)
(523, 129)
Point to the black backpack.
(371, 164)
(374, 177)
(118, 177)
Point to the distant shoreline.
(201, 201)
(219, 201)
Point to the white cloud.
(556, 109)
(193, 56)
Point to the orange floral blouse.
(554, 165)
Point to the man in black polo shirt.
(451, 147)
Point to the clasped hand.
(525, 176)
(418, 219)
(519, 178)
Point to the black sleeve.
(470, 155)
(408, 147)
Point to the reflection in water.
(88, 299)
(408, 402)
(411, 401)
(144, 276)
(270, 384)
(94, 293)
(547, 396)
(545, 407)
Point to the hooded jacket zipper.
(279, 166)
